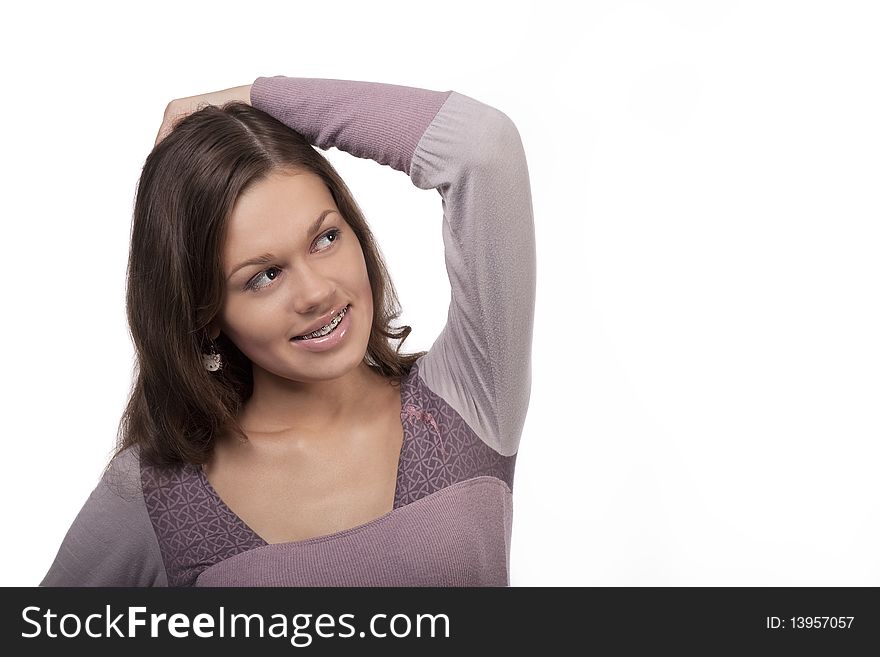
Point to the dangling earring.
(212, 361)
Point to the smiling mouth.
(324, 330)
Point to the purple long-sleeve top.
(463, 404)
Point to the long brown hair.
(175, 285)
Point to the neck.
(279, 405)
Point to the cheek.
(357, 269)
(244, 322)
(365, 289)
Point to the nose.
(311, 290)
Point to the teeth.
(324, 330)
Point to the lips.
(328, 320)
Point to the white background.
(705, 187)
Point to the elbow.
(496, 142)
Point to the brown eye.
(252, 284)
(332, 233)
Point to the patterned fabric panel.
(439, 448)
(194, 531)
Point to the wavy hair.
(175, 286)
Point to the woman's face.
(310, 266)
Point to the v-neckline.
(226, 510)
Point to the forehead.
(273, 212)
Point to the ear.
(213, 331)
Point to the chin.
(329, 372)
(326, 367)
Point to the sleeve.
(111, 541)
(473, 156)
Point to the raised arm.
(472, 155)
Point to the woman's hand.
(181, 107)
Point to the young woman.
(274, 435)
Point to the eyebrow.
(268, 257)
